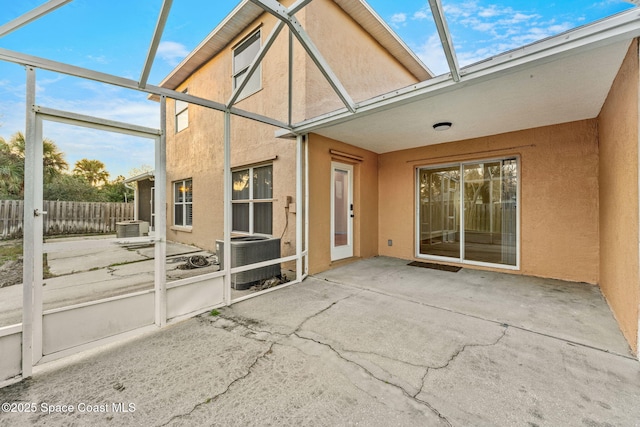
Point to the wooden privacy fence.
(66, 217)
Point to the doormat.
(451, 268)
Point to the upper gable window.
(243, 55)
(182, 114)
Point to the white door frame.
(344, 250)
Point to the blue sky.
(113, 36)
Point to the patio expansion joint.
(226, 390)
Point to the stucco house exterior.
(376, 64)
(143, 187)
(530, 167)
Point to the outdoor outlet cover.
(390, 242)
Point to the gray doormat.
(442, 267)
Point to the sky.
(113, 37)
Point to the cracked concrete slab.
(326, 353)
(528, 379)
(97, 273)
(70, 261)
(573, 311)
(292, 306)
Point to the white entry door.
(341, 211)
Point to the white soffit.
(567, 89)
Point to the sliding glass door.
(467, 212)
(439, 211)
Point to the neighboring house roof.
(147, 175)
(246, 13)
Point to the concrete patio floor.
(375, 342)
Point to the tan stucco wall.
(197, 155)
(363, 66)
(365, 198)
(618, 130)
(197, 152)
(559, 195)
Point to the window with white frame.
(182, 114)
(243, 55)
(252, 198)
(183, 203)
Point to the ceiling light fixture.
(440, 126)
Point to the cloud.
(431, 54)
(120, 153)
(421, 15)
(482, 31)
(172, 52)
(100, 59)
(398, 19)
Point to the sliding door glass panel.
(440, 212)
(490, 212)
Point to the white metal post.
(38, 226)
(306, 203)
(155, 41)
(31, 16)
(227, 207)
(299, 222)
(290, 94)
(445, 37)
(161, 219)
(29, 227)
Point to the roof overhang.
(143, 176)
(557, 80)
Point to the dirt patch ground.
(10, 263)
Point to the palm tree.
(92, 170)
(52, 159)
(11, 172)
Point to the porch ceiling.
(568, 88)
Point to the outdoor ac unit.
(247, 250)
(144, 228)
(132, 229)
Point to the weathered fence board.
(66, 217)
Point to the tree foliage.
(52, 158)
(94, 171)
(72, 188)
(88, 183)
(117, 191)
(11, 172)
